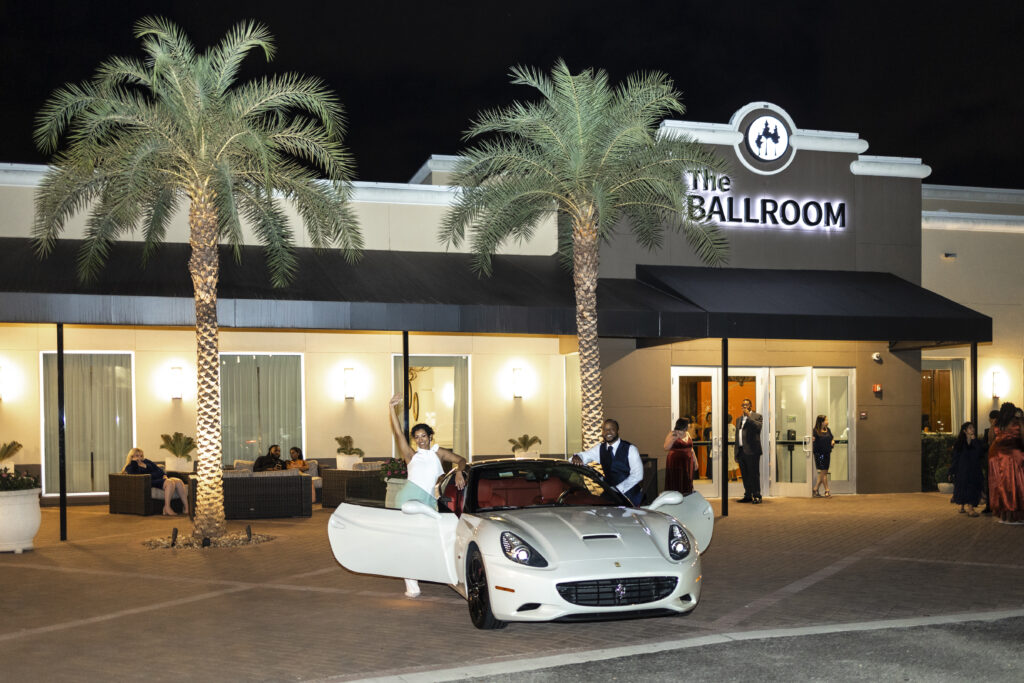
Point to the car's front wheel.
(479, 596)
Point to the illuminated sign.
(711, 200)
(767, 138)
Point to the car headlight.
(678, 542)
(518, 550)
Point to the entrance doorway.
(789, 399)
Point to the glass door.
(832, 398)
(695, 396)
(789, 424)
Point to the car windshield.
(518, 484)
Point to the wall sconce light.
(517, 382)
(350, 383)
(998, 383)
(876, 388)
(176, 383)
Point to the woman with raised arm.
(424, 465)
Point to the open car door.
(415, 542)
(694, 512)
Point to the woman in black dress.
(823, 443)
(171, 487)
(969, 452)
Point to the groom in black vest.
(620, 461)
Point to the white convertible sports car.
(536, 540)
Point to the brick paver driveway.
(102, 606)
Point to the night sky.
(937, 80)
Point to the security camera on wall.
(877, 357)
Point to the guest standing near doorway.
(822, 448)
(968, 454)
(748, 452)
(681, 463)
(1006, 468)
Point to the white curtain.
(98, 419)
(261, 404)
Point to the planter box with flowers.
(19, 505)
(395, 474)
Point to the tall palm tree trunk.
(585, 270)
(204, 269)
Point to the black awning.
(385, 290)
(438, 292)
(820, 304)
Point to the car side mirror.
(415, 507)
(666, 498)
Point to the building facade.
(820, 310)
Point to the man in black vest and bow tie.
(620, 461)
(748, 452)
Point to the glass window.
(942, 395)
(439, 397)
(261, 404)
(98, 427)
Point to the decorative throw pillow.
(244, 464)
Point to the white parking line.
(538, 663)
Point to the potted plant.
(19, 505)
(942, 479)
(346, 446)
(521, 446)
(180, 447)
(395, 474)
(348, 455)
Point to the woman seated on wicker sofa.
(137, 464)
(298, 462)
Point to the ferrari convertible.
(536, 540)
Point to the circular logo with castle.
(767, 138)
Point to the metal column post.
(974, 386)
(723, 435)
(61, 446)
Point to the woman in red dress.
(680, 463)
(1006, 467)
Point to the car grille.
(611, 592)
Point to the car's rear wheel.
(478, 594)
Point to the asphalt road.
(967, 651)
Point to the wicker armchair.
(132, 494)
(352, 486)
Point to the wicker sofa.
(133, 494)
(259, 495)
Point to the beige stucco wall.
(984, 275)
(495, 415)
(637, 392)
(392, 216)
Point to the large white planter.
(19, 519)
(395, 486)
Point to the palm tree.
(592, 153)
(143, 136)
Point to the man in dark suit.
(748, 452)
